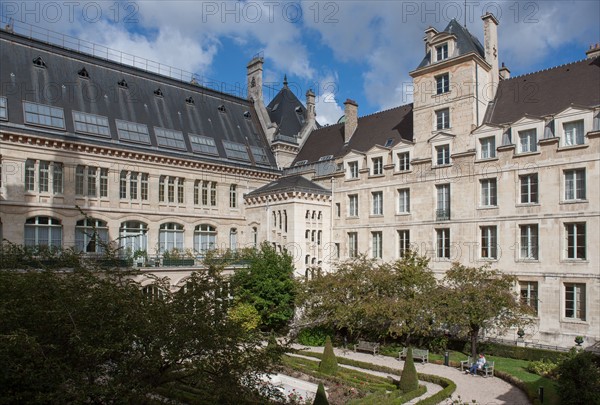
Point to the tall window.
(575, 301)
(255, 237)
(233, 196)
(213, 193)
(489, 242)
(403, 242)
(43, 231)
(488, 193)
(144, 184)
(575, 184)
(171, 189)
(404, 161)
(205, 238)
(442, 118)
(443, 83)
(443, 243)
(57, 179)
(233, 239)
(528, 141)
(353, 205)
(377, 244)
(573, 133)
(575, 234)
(377, 203)
(30, 175)
(404, 201)
(90, 235)
(442, 155)
(529, 242)
(352, 244)
(377, 166)
(161, 188)
(44, 176)
(529, 294)
(133, 186)
(488, 147)
(353, 170)
(170, 236)
(133, 237)
(91, 181)
(197, 192)
(180, 190)
(49, 174)
(123, 185)
(338, 210)
(443, 202)
(441, 52)
(529, 188)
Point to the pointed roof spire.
(285, 82)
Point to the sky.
(362, 50)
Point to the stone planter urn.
(579, 340)
(520, 333)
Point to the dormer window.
(122, 84)
(353, 170)
(83, 73)
(39, 62)
(573, 133)
(441, 52)
(247, 115)
(389, 142)
(221, 108)
(528, 141)
(158, 92)
(190, 100)
(298, 110)
(377, 166)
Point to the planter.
(579, 340)
(177, 262)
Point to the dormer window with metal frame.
(235, 150)
(133, 132)
(3, 108)
(158, 92)
(301, 163)
(326, 157)
(122, 84)
(247, 115)
(83, 73)
(441, 52)
(39, 62)
(260, 155)
(221, 108)
(203, 144)
(91, 124)
(169, 138)
(299, 110)
(190, 100)
(44, 115)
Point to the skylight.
(260, 155)
(131, 131)
(326, 157)
(39, 62)
(236, 150)
(169, 138)
(83, 73)
(39, 114)
(91, 124)
(301, 163)
(3, 109)
(203, 144)
(389, 142)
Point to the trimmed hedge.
(328, 364)
(519, 352)
(409, 380)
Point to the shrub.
(545, 368)
(519, 352)
(579, 379)
(313, 336)
(328, 364)
(409, 380)
(321, 397)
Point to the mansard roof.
(78, 82)
(465, 42)
(374, 129)
(286, 184)
(546, 92)
(287, 112)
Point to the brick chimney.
(310, 106)
(490, 44)
(593, 52)
(351, 122)
(504, 72)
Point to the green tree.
(328, 364)
(579, 378)
(321, 396)
(409, 380)
(479, 298)
(268, 284)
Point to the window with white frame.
(180, 190)
(161, 188)
(58, 178)
(442, 83)
(29, 175)
(529, 242)
(575, 241)
(443, 243)
(171, 189)
(352, 244)
(488, 192)
(403, 242)
(213, 193)
(353, 205)
(233, 239)
(404, 161)
(123, 185)
(92, 174)
(49, 176)
(442, 118)
(404, 201)
(43, 231)
(133, 237)
(574, 184)
(144, 185)
(528, 141)
(489, 242)
(575, 301)
(205, 238)
(377, 244)
(170, 236)
(529, 188)
(443, 202)
(91, 235)
(441, 52)
(442, 155)
(377, 198)
(353, 170)
(43, 176)
(573, 133)
(377, 163)
(529, 294)
(488, 147)
(233, 196)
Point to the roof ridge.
(386, 110)
(546, 69)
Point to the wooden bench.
(487, 370)
(421, 354)
(367, 346)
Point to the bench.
(367, 346)
(421, 354)
(487, 370)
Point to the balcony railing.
(442, 215)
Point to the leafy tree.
(409, 380)
(268, 284)
(579, 378)
(328, 364)
(479, 298)
(321, 396)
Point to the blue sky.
(361, 50)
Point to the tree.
(479, 298)
(268, 284)
(328, 364)
(409, 380)
(321, 396)
(579, 378)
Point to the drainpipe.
(476, 95)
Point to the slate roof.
(465, 42)
(546, 92)
(59, 85)
(374, 129)
(287, 112)
(289, 184)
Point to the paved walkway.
(484, 391)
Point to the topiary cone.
(328, 364)
(321, 397)
(409, 381)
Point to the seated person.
(477, 365)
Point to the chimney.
(310, 107)
(254, 78)
(593, 52)
(429, 34)
(504, 72)
(351, 122)
(490, 44)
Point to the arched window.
(307, 259)
(153, 292)
(307, 234)
(205, 238)
(313, 214)
(319, 234)
(279, 218)
(170, 236)
(133, 237)
(320, 215)
(233, 239)
(307, 214)
(255, 236)
(91, 235)
(43, 231)
(284, 221)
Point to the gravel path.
(483, 391)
